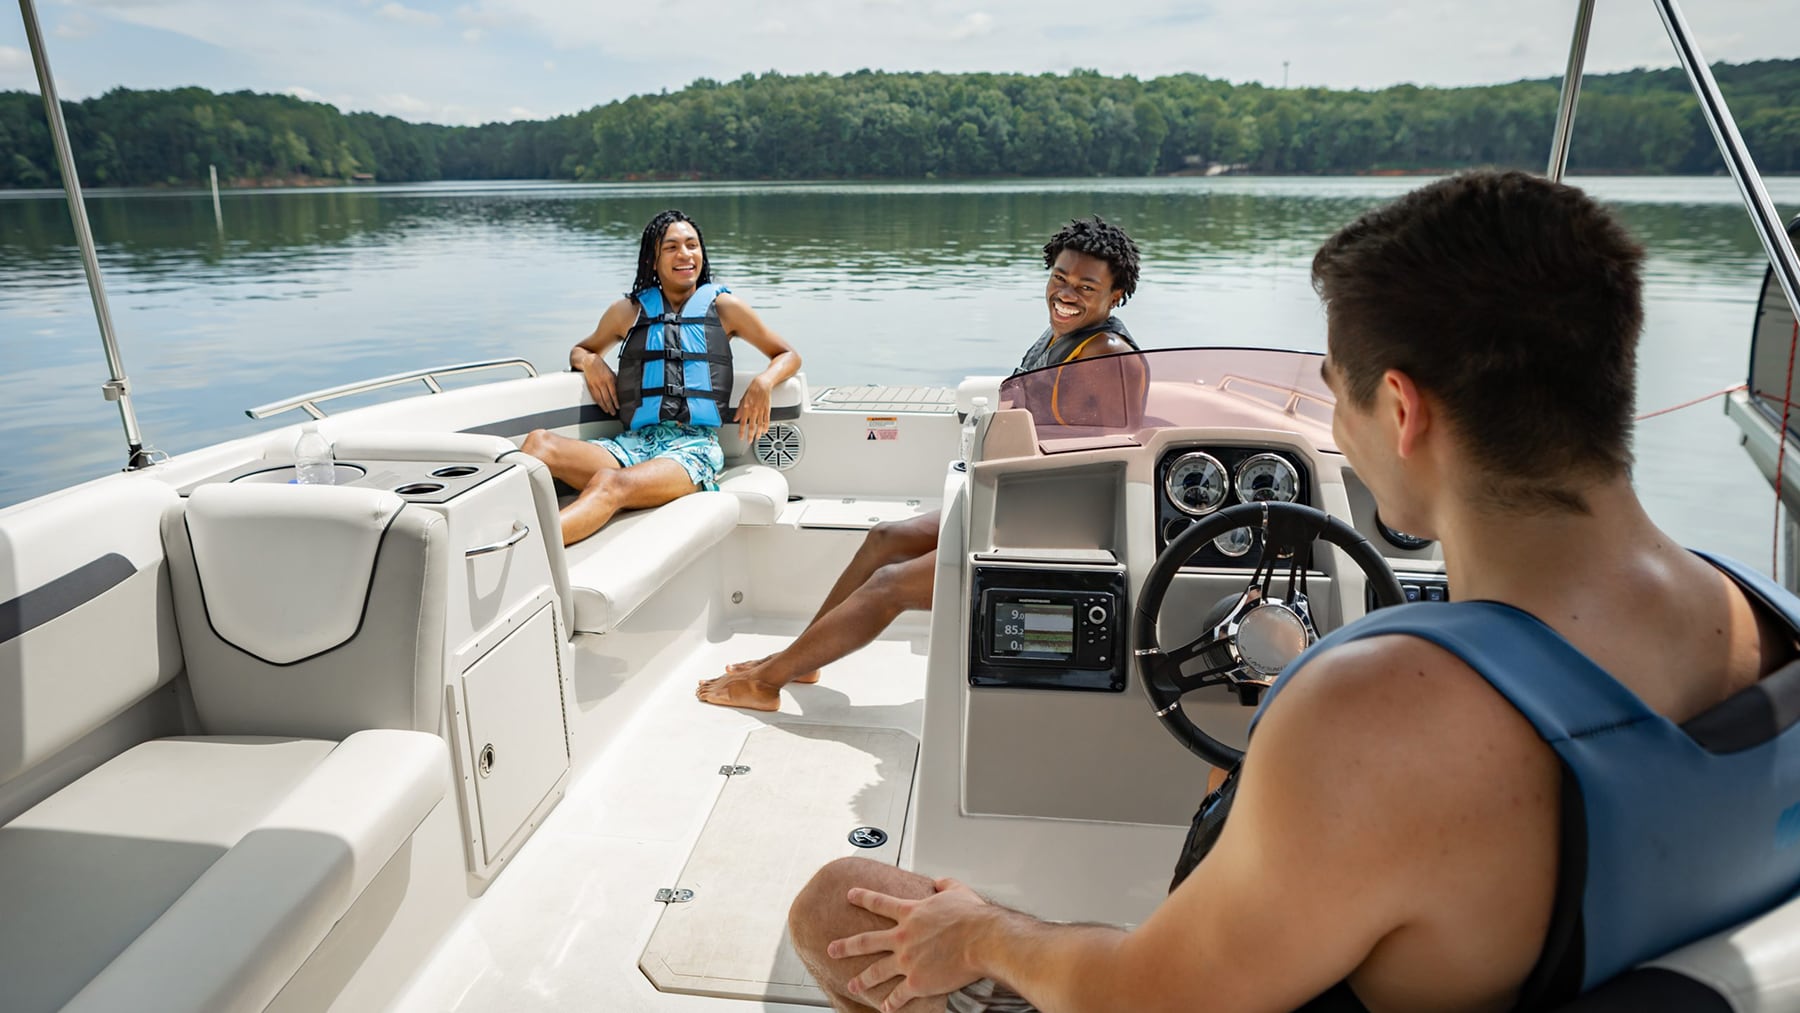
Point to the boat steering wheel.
(1253, 635)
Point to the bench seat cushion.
(615, 570)
(200, 873)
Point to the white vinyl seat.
(201, 872)
(1753, 967)
(618, 568)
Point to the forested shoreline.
(874, 125)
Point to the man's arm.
(588, 355)
(1395, 812)
(740, 321)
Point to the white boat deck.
(564, 926)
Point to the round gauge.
(1196, 483)
(1235, 542)
(1267, 478)
(1400, 539)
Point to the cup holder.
(455, 471)
(420, 488)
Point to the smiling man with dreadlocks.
(673, 386)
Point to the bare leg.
(884, 545)
(856, 621)
(572, 462)
(652, 483)
(821, 913)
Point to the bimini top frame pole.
(1737, 157)
(119, 387)
(1571, 91)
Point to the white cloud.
(401, 104)
(402, 15)
(773, 26)
(974, 26)
(550, 65)
(521, 113)
(472, 35)
(14, 59)
(303, 93)
(76, 26)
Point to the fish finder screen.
(1032, 629)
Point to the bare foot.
(740, 691)
(743, 667)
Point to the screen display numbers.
(1033, 629)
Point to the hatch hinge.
(672, 895)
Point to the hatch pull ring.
(733, 769)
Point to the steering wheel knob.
(1269, 637)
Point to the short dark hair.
(1097, 237)
(1516, 302)
(647, 246)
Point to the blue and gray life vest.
(675, 367)
(1052, 350)
(1673, 832)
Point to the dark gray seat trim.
(90, 580)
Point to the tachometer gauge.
(1235, 542)
(1196, 483)
(1267, 478)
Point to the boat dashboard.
(1084, 476)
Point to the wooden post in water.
(218, 217)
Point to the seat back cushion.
(313, 611)
(393, 445)
(86, 624)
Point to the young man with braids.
(1486, 804)
(674, 320)
(1093, 270)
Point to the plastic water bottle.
(978, 409)
(313, 464)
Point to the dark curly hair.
(647, 247)
(1097, 237)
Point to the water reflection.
(874, 282)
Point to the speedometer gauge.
(1267, 478)
(1196, 483)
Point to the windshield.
(1112, 400)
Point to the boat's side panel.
(87, 629)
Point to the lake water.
(916, 283)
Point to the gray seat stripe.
(34, 608)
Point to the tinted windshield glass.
(1113, 398)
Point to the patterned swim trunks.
(695, 448)
(987, 996)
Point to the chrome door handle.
(519, 532)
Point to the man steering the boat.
(1487, 804)
(1093, 268)
(673, 386)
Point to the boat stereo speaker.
(780, 447)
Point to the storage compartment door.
(513, 697)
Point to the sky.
(476, 61)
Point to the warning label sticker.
(882, 427)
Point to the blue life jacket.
(1667, 840)
(675, 367)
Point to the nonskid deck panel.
(793, 801)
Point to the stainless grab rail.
(1571, 93)
(520, 530)
(1782, 259)
(309, 402)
